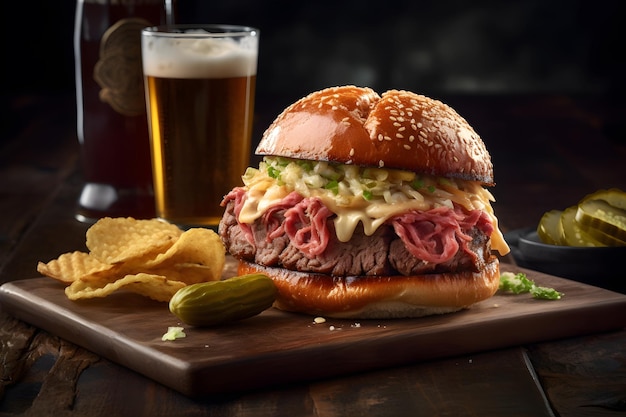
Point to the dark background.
(432, 47)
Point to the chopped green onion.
(519, 284)
(273, 172)
(173, 333)
(417, 183)
(367, 194)
(545, 293)
(332, 186)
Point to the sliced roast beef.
(300, 235)
(473, 258)
(363, 255)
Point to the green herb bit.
(367, 194)
(417, 183)
(273, 172)
(515, 283)
(519, 284)
(332, 186)
(173, 333)
(545, 293)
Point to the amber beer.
(200, 99)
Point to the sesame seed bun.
(399, 130)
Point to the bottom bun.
(379, 297)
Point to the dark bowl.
(602, 267)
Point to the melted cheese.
(372, 216)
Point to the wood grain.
(277, 347)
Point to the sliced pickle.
(571, 232)
(613, 196)
(549, 227)
(603, 221)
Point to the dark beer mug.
(112, 125)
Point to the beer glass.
(200, 84)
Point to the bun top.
(398, 130)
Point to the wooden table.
(548, 151)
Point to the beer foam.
(181, 57)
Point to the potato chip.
(187, 273)
(71, 266)
(157, 287)
(148, 257)
(125, 239)
(195, 246)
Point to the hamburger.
(368, 206)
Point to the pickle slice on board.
(549, 227)
(603, 221)
(572, 234)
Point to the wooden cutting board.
(278, 347)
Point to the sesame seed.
(407, 147)
(393, 119)
(396, 124)
(380, 137)
(399, 135)
(387, 138)
(419, 125)
(381, 163)
(423, 134)
(401, 129)
(352, 152)
(411, 138)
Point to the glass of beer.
(200, 84)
